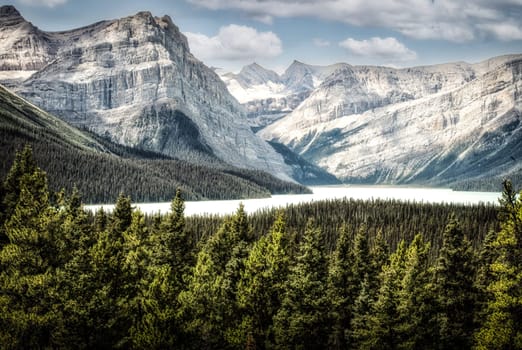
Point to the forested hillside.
(101, 169)
(367, 275)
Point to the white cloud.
(321, 42)
(235, 42)
(46, 3)
(382, 48)
(504, 31)
(452, 20)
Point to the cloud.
(321, 42)
(504, 31)
(451, 20)
(45, 3)
(382, 48)
(235, 42)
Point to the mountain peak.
(254, 66)
(9, 11)
(144, 14)
(257, 74)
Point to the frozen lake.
(417, 194)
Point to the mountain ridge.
(318, 126)
(437, 136)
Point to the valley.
(156, 195)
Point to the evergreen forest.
(341, 274)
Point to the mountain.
(132, 80)
(24, 48)
(438, 124)
(101, 169)
(268, 96)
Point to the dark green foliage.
(502, 298)
(416, 307)
(384, 314)
(209, 305)
(302, 320)
(355, 277)
(262, 286)
(342, 289)
(28, 261)
(454, 277)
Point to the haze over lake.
(413, 194)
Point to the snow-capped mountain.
(135, 81)
(438, 123)
(268, 96)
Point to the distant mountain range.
(437, 125)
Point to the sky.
(229, 34)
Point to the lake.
(413, 194)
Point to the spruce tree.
(384, 316)
(502, 326)
(28, 313)
(416, 301)
(454, 277)
(133, 300)
(342, 290)
(261, 286)
(302, 320)
(171, 261)
(208, 307)
(75, 277)
(107, 263)
(366, 274)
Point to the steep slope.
(134, 80)
(303, 171)
(429, 124)
(101, 169)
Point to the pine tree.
(209, 305)
(133, 303)
(171, 261)
(107, 260)
(261, 286)
(75, 277)
(366, 270)
(29, 259)
(416, 301)
(502, 327)
(454, 277)
(359, 332)
(302, 320)
(342, 290)
(384, 317)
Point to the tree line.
(71, 279)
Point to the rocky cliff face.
(135, 81)
(427, 124)
(24, 48)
